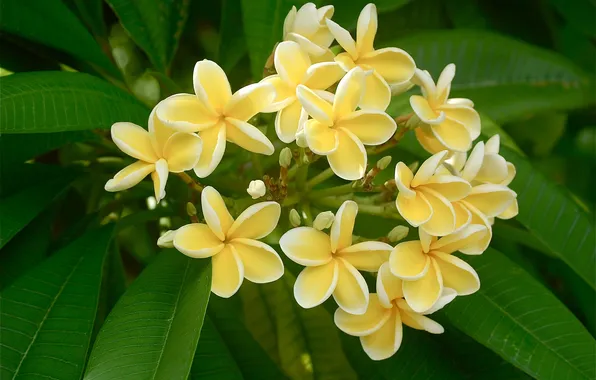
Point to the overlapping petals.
(307, 27)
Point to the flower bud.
(191, 210)
(398, 233)
(256, 189)
(295, 220)
(414, 166)
(285, 157)
(301, 139)
(383, 163)
(323, 220)
(167, 239)
(413, 122)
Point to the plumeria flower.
(159, 151)
(338, 131)
(380, 327)
(447, 123)
(294, 68)
(427, 266)
(332, 262)
(307, 27)
(235, 253)
(218, 115)
(425, 199)
(388, 66)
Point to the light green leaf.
(523, 322)
(153, 330)
(156, 26)
(48, 315)
(51, 23)
(60, 101)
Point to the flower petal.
(493, 145)
(384, 342)
(129, 176)
(464, 115)
(159, 133)
(415, 210)
(247, 136)
(185, 113)
(460, 102)
(371, 127)
(290, 120)
(423, 79)
(424, 111)
(321, 76)
(343, 38)
(454, 242)
(422, 294)
(408, 261)
(479, 246)
(319, 109)
(211, 85)
(309, 46)
(320, 138)
(473, 162)
(393, 64)
(291, 62)
(457, 274)
(428, 141)
(389, 287)
(134, 141)
(216, 213)
(463, 216)
(403, 179)
(345, 61)
(447, 296)
(351, 292)
(420, 322)
(197, 240)
(510, 174)
(491, 199)
(261, 263)
(451, 187)
(256, 222)
(444, 83)
(343, 226)
(348, 161)
(494, 169)
(314, 285)
(510, 212)
(366, 29)
(284, 93)
(214, 146)
(250, 100)
(428, 168)
(452, 134)
(227, 272)
(306, 246)
(289, 20)
(365, 324)
(348, 94)
(442, 221)
(160, 178)
(182, 151)
(367, 256)
(377, 93)
(307, 20)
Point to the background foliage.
(86, 292)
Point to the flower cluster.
(333, 106)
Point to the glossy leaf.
(153, 330)
(522, 321)
(91, 12)
(60, 101)
(232, 45)
(48, 315)
(156, 26)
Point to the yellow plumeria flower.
(380, 328)
(159, 151)
(294, 68)
(503, 173)
(389, 66)
(425, 199)
(332, 262)
(338, 131)
(426, 267)
(232, 244)
(448, 123)
(218, 115)
(307, 27)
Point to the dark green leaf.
(91, 12)
(155, 26)
(48, 315)
(232, 45)
(539, 134)
(346, 12)
(61, 101)
(522, 321)
(16, 58)
(154, 329)
(579, 14)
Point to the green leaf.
(579, 15)
(61, 101)
(523, 322)
(51, 23)
(154, 329)
(505, 78)
(91, 12)
(540, 133)
(156, 26)
(17, 58)
(346, 12)
(232, 45)
(48, 315)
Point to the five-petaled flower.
(332, 262)
(307, 27)
(232, 244)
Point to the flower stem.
(332, 191)
(386, 210)
(196, 186)
(306, 213)
(321, 177)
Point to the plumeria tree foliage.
(408, 238)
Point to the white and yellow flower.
(338, 131)
(235, 253)
(388, 66)
(218, 115)
(307, 27)
(294, 68)
(427, 266)
(425, 199)
(380, 328)
(447, 123)
(159, 151)
(332, 262)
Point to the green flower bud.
(398, 233)
(383, 163)
(285, 157)
(191, 210)
(295, 219)
(323, 220)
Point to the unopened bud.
(191, 210)
(301, 139)
(398, 233)
(295, 220)
(256, 189)
(414, 166)
(305, 159)
(285, 157)
(413, 122)
(383, 163)
(323, 220)
(167, 239)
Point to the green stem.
(256, 162)
(337, 190)
(321, 177)
(386, 210)
(306, 213)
